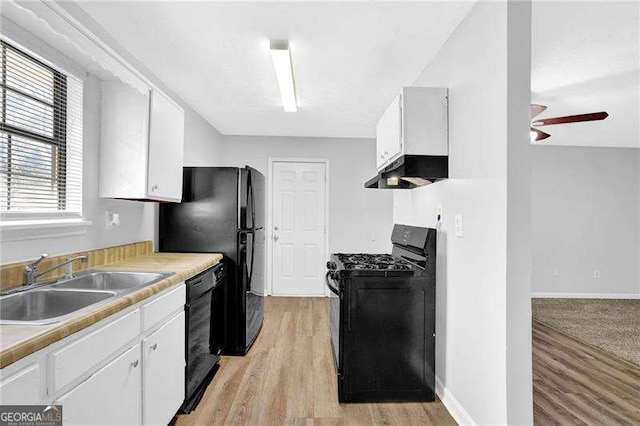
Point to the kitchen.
(266, 213)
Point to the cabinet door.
(21, 388)
(124, 140)
(166, 148)
(389, 133)
(380, 144)
(111, 396)
(163, 372)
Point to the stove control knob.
(331, 265)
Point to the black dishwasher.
(202, 361)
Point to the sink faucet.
(31, 273)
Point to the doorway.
(297, 225)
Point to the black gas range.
(382, 313)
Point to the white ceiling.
(349, 59)
(586, 58)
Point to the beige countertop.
(18, 341)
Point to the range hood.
(411, 171)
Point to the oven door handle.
(328, 280)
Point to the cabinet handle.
(134, 364)
(154, 188)
(154, 346)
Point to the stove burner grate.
(362, 261)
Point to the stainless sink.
(111, 280)
(47, 305)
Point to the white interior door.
(299, 223)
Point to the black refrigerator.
(223, 211)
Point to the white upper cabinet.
(141, 144)
(166, 149)
(414, 124)
(389, 133)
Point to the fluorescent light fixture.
(281, 57)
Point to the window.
(40, 139)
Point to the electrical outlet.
(112, 219)
(596, 274)
(459, 226)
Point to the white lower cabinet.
(111, 396)
(163, 372)
(125, 370)
(21, 388)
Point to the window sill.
(20, 230)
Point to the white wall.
(586, 212)
(483, 372)
(359, 219)
(203, 143)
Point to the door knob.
(275, 228)
(275, 238)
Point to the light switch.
(459, 226)
(556, 272)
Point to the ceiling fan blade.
(538, 135)
(594, 116)
(536, 110)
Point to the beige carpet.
(612, 325)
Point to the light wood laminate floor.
(289, 377)
(577, 384)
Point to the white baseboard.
(454, 407)
(585, 296)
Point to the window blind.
(40, 138)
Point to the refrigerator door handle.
(253, 256)
(253, 225)
(253, 199)
(253, 204)
(239, 199)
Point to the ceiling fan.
(538, 135)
